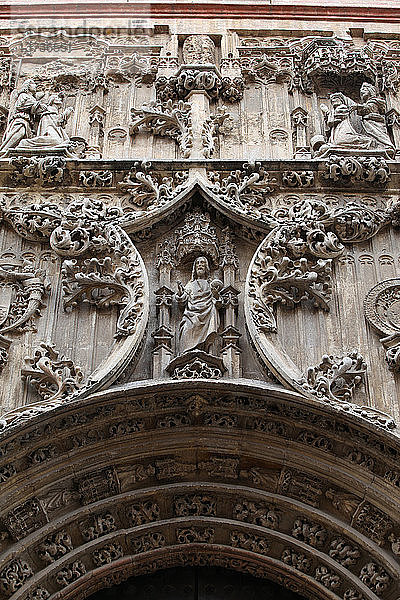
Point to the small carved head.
(201, 268)
(367, 90)
(29, 86)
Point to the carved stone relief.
(382, 312)
(284, 472)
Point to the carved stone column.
(162, 353)
(200, 110)
(230, 335)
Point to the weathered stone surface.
(198, 227)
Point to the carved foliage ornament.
(53, 376)
(165, 119)
(146, 189)
(22, 290)
(114, 275)
(245, 190)
(293, 263)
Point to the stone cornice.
(209, 10)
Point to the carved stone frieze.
(25, 518)
(195, 535)
(144, 512)
(328, 579)
(313, 534)
(14, 575)
(55, 547)
(351, 169)
(296, 560)
(195, 505)
(107, 554)
(375, 577)
(254, 543)
(70, 573)
(97, 485)
(38, 171)
(98, 526)
(96, 179)
(137, 67)
(344, 553)
(295, 179)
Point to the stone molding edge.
(33, 414)
(206, 9)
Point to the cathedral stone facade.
(199, 301)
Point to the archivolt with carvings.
(143, 507)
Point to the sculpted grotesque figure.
(201, 300)
(357, 126)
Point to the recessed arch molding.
(240, 475)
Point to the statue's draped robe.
(50, 134)
(19, 126)
(200, 321)
(365, 129)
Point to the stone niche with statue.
(199, 230)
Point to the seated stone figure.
(200, 299)
(352, 126)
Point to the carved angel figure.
(201, 301)
(357, 126)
